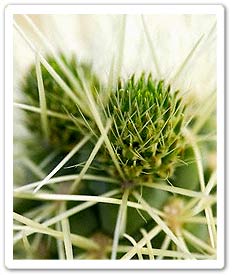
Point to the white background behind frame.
(8, 143)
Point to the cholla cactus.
(130, 181)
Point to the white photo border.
(10, 10)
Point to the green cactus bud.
(63, 133)
(146, 133)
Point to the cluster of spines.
(146, 133)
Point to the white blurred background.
(97, 38)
